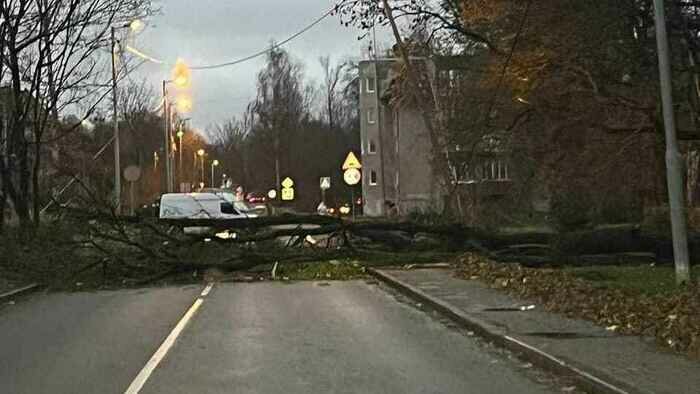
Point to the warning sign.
(351, 162)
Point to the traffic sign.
(325, 183)
(287, 183)
(272, 194)
(132, 173)
(287, 194)
(351, 162)
(352, 176)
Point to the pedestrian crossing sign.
(325, 183)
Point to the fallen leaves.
(674, 320)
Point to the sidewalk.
(600, 360)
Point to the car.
(256, 198)
(185, 206)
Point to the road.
(307, 337)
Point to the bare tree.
(331, 77)
(229, 142)
(51, 53)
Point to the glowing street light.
(213, 164)
(184, 104)
(181, 74)
(137, 25)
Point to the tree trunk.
(35, 184)
(3, 203)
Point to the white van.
(199, 206)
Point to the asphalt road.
(309, 337)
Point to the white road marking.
(584, 374)
(207, 289)
(168, 343)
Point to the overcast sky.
(206, 32)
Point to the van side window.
(227, 208)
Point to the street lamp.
(135, 26)
(200, 153)
(180, 134)
(180, 78)
(213, 164)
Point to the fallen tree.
(142, 249)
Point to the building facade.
(396, 148)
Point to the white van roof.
(191, 196)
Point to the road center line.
(207, 289)
(168, 343)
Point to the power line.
(247, 58)
(273, 47)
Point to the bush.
(427, 216)
(614, 210)
(657, 222)
(600, 241)
(45, 255)
(571, 209)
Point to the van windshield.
(243, 206)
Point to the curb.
(589, 380)
(18, 292)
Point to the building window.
(502, 170)
(370, 85)
(372, 147)
(462, 174)
(370, 116)
(495, 170)
(373, 178)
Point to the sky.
(204, 32)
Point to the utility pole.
(673, 158)
(204, 179)
(173, 148)
(117, 164)
(214, 163)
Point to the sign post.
(132, 174)
(325, 185)
(352, 177)
(287, 189)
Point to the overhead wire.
(250, 57)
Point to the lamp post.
(166, 135)
(200, 153)
(180, 134)
(135, 25)
(180, 78)
(213, 164)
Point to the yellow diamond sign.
(351, 162)
(287, 183)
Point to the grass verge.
(644, 279)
